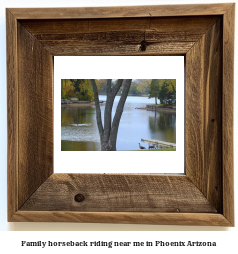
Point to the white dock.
(158, 142)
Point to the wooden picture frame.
(204, 34)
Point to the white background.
(10, 240)
(160, 67)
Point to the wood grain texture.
(121, 12)
(192, 219)
(227, 113)
(12, 114)
(35, 114)
(59, 48)
(204, 196)
(189, 26)
(119, 36)
(203, 144)
(114, 193)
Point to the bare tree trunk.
(118, 114)
(108, 134)
(98, 110)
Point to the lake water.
(79, 130)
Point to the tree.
(66, 89)
(78, 88)
(101, 85)
(76, 83)
(142, 85)
(154, 89)
(164, 90)
(108, 131)
(167, 91)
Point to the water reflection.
(79, 127)
(163, 124)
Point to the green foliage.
(164, 90)
(154, 89)
(160, 150)
(76, 88)
(138, 87)
(167, 94)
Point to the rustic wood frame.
(202, 33)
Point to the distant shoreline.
(143, 95)
(75, 105)
(148, 107)
(161, 109)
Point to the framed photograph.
(110, 186)
(146, 123)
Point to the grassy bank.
(164, 105)
(162, 149)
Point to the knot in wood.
(143, 45)
(79, 198)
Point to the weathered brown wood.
(227, 113)
(183, 25)
(121, 12)
(35, 100)
(203, 114)
(78, 26)
(208, 46)
(178, 25)
(192, 219)
(104, 193)
(119, 36)
(72, 48)
(12, 116)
